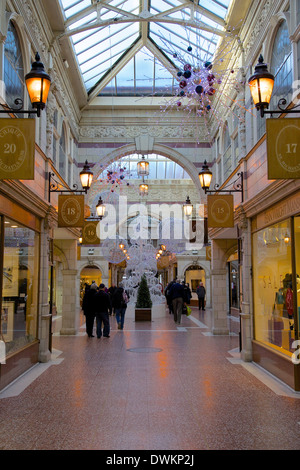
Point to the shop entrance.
(87, 276)
(193, 276)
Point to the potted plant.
(143, 306)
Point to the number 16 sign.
(283, 148)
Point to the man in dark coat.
(88, 308)
(201, 296)
(177, 296)
(102, 308)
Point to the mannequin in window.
(279, 301)
(290, 304)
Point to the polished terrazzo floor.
(152, 386)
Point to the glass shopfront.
(276, 265)
(18, 325)
(234, 283)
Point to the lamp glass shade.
(261, 85)
(261, 91)
(38, 84)
(188, 208)
(205, 176)
(143, 168)
(86, 176)
(100, 208)
(143, 189)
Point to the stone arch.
(160, 149)
(59, 252)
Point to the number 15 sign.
(283, 148)
(17, 145)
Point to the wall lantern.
(86, 177)
(100, 208)
(261, 86)
(143, 167)
(188, 208)
(205, 177)
(38, 85)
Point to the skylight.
(110, 39)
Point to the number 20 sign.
(283, 148)
(17, 146)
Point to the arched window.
(13, 66)
(62, 153)
(281, 65)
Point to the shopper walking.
(177, 296)
(119, 303)
(201, 292)
(102, 309)
(88, 307)
(168, 296)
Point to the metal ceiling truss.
(144, 16)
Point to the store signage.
(220, 211)
(280, 211)
(70, 211)
(283, 148)
(17, 147)
(90, 233)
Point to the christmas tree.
(143, 296)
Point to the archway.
(89, 274)
(193, 275)
(158, 149)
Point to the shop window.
(13, 67)
(272, 284)
(234, 293)
(297, 256)
(20, 286)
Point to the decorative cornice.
(131, 132)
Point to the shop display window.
(297, 256)
(272, 286)
(18, 326)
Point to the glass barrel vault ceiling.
(160, 168)
(108, 33)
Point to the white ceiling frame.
(99, 24)
(161, 57)
(116, 69)
(144, 17)
(96, 8)
(192, 7)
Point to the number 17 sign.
(283, 148)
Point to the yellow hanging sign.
(220, 211)
(283, 148)
(90, 233)
(70, 211)
(17, 147)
